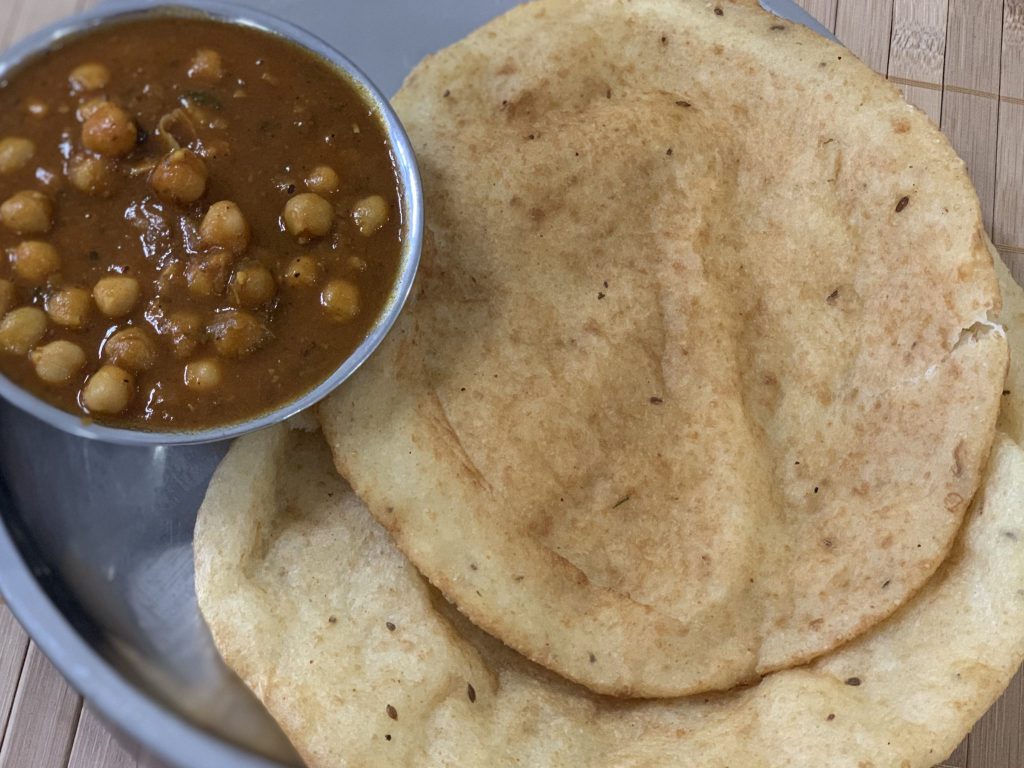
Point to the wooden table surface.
(961, 61)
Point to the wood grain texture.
(917, 52)
(1008, 225)
(823, 10)
(970, 122)
(865, 27)
(44, 718)
(997, 741)
(974, 45)
(1008, 214)
(1015, 261)
(95, 747)
(13, 647)
(970, 111)
(959, 757)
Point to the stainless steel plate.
(96, 540)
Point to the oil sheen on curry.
(201, 222)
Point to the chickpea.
(203, 375)
(369, 214)
(109, 131)
(236, 333)
(323, 180)
(252, 285)
(108, 390)
(69, 307)
(307, 216)
(27, 212)
(15, 152)
(58, 361)
(91, 175)
(207, 275)
(21, 329)
(131, 348)
(7, 296)
(341, 299)
(206, 64)
(89, 77)
(89, 108)
(301, 271)
(34, 261)
(116, 295)
(225, 226)
(185, 330)
(180, 177)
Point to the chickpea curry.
(201, 221)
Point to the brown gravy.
(234, 308)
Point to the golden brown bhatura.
(697, 383)
(363, 663)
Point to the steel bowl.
(410, 198)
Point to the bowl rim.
(410, 195)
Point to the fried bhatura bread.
(696, 383)
(364, 664)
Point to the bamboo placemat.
(961, 61)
